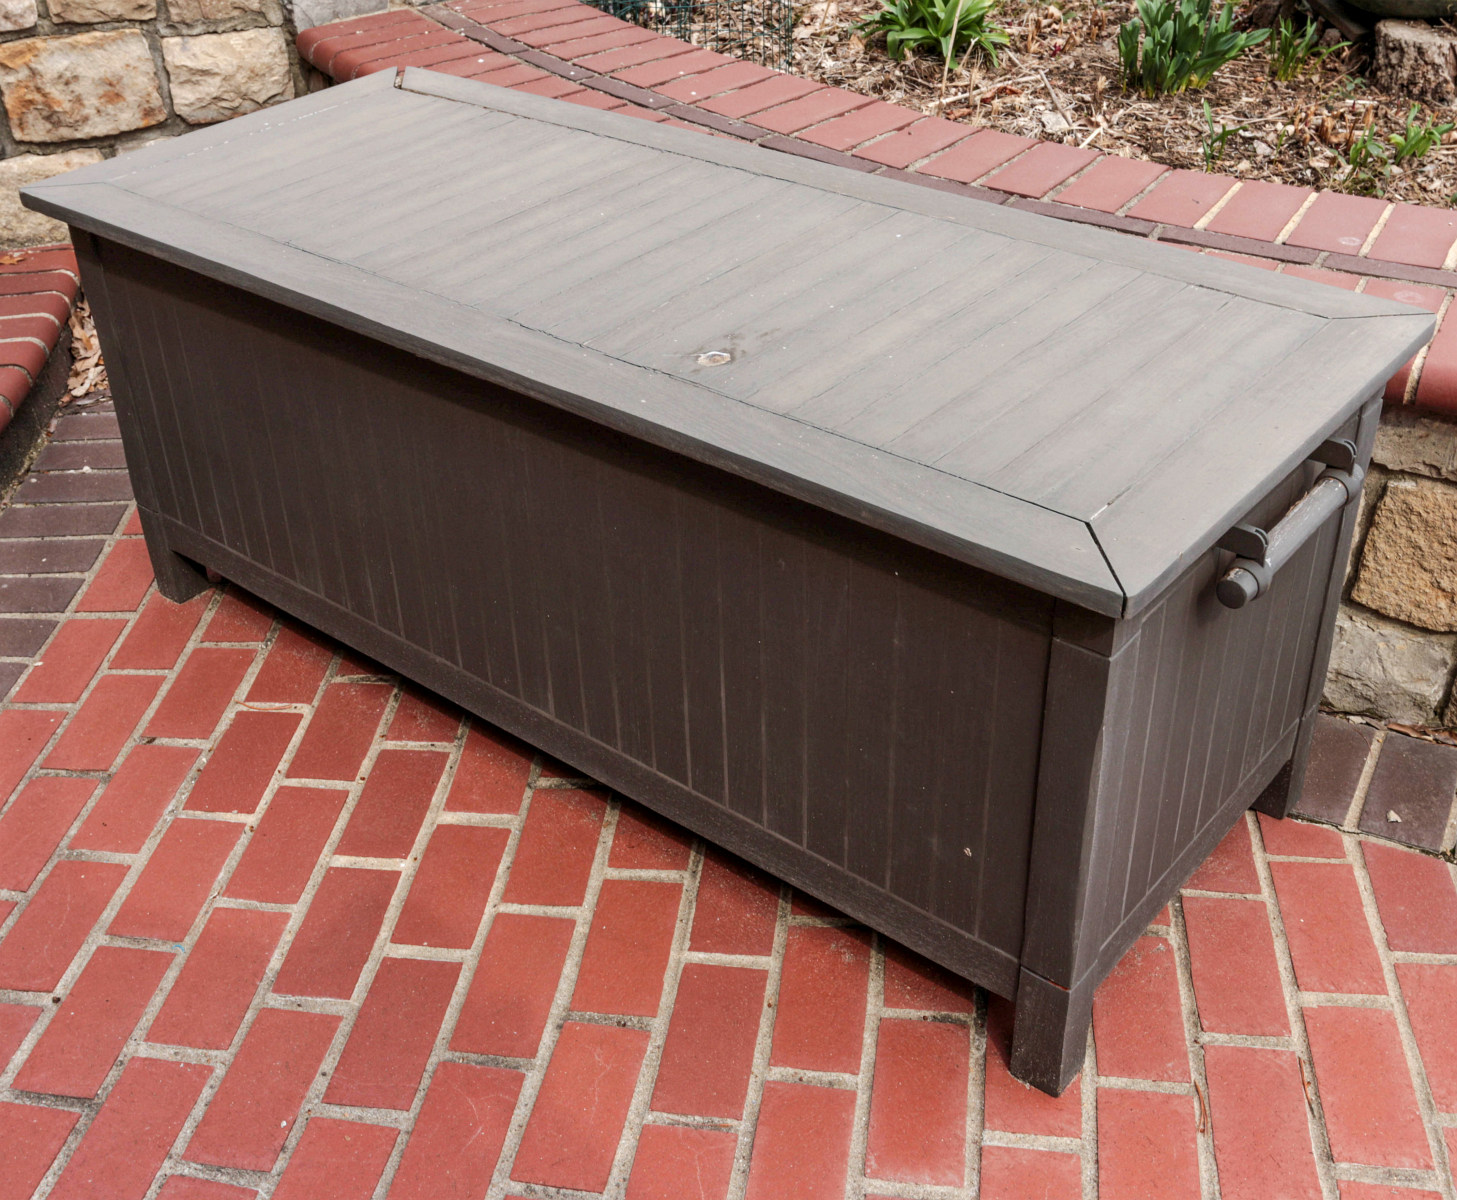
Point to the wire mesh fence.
(755, 30)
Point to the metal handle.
(1261, 553)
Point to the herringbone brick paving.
(272, 925)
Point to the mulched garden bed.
(1059, 80)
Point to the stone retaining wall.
(1396, 639)
(81, 79)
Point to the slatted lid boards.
(1076, 409)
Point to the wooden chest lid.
(1076, 409)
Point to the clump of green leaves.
(1370, 160)
(1174, 45)
(1215, 141)
(1292, 46)
(952, 28)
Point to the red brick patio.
(272, 926)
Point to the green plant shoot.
(952, 28)
(1174, 45)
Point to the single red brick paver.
(1232, 959)
(1330, 940)
(30, 1138)
(628, 947)
(120, 1154)
(244, 763)
(809, 110)
(457, 1139)
(1041, 169)
(1147, 1146)
(248, 1119)
(607, 61)
(511, 993)
(819, 1024)
(572, 1134)
(1008, 1173)
(189, 1187)
(340, 731)
(1418, 237)
(1298, 839)
(1430, 991)
(919, 141)
(292, 670)
(777, 89)
(15, 1023)
(1416, 780)
(48, 934)
(393, 1035)
(1261, 1138)
(674, 1162)
(710, 1045)
(859, 126)
(1375, 1191)
(1110, 183)
(336, 1160)
(200, 693)
(918, 1104)
(1231, 867)
(87, 1033)
(239, 618)
(1416, 898)
(175, 884)
(1182, 198)
(1259, 210)
(392, 807)
(801, 1143)
(1438, 384)
(286, 844)
(558, 843)
(210, 998)
(66, 665)
(23, 735)
(338, 932)
(448, 896)
(1437, 379)
(644, 841)
(579, 47)
(419, 718)
(1138, 1020)
(1012, 1106)
(122, 581)
(978, 155)
(104, 723)
(651, 74)
(160, 634)
(911, 982)
(34, 824)
(1371, 1110)
(491, 775)
(737, 908)
(1339, 751)
(1337, 222)
(696, 88)
(137, 796)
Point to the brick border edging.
(24, 438)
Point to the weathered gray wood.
(1043, 378)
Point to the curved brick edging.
(568, 50)
(37, 289)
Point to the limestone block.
(91, 11)
(1409, 563)
(1415, 59)
(220, 75)
(18, 225)
(1407, 441)
(308, 13)
(17, 14)
(193, 12)
(1383, 669)
(57, 89)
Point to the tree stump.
(1414, 59)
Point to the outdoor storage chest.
(970, 570)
